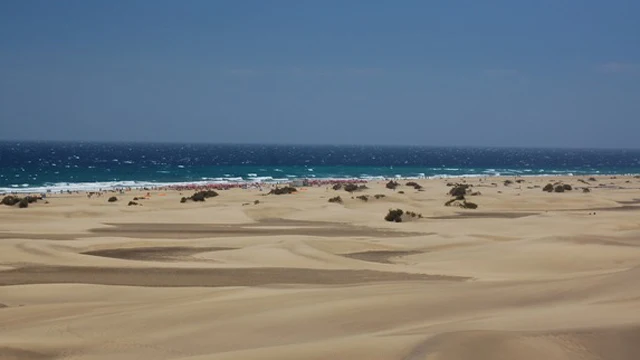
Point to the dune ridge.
(528, 275)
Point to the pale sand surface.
(528, 275)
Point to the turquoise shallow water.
(32, 166)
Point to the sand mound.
(610, 344)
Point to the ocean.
(55, 166)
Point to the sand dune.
(529, 275)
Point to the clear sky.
(491, 73)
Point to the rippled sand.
(528, 275)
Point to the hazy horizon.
(142, 142)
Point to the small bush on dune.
(337, 186)
(592, 179)
(394, 215)
(350, 187)
(32, 199)
(469, 205)
(586, 190)
(354, 187)
(10, 200)
(414, 184)
(210, 194)
(283, 190)
(363, 197)
(200, 196)
(567, 187)
(508, 182)
(336, 199)
(559, 189)
(392, 185)
(379, 196)
(113, 199)
(548, 188)
(461, 202)
(459, 189)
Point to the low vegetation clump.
(469, 205)
(559, 188)
(459, 190)
(398, 215)
(351, 187)
(476, 193)
(548, 188)
(113, 199)
(337, 186)
(592, 179)
(363, 197)
(567, 187)
(379, 196)
(24, 203)
(394, 215)
(392, 185)
(256, 202)
(462, 203)
(520, 181)
(132, 203)
(414, 184)
(200, 196)
(586, 190)
(582, 181)
(10, 200)
(283, 191)
(508, 182)
(337, 200)
(203, 195)
(400, 192)
(21, 202)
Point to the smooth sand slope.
(527, 275)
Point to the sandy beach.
(527, 275)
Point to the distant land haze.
(42, 166)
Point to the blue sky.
(489, 73)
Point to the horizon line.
(142, 142)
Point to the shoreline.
(87, 187)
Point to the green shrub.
(394, 215)
(336, 199)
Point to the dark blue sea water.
(37, 166)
